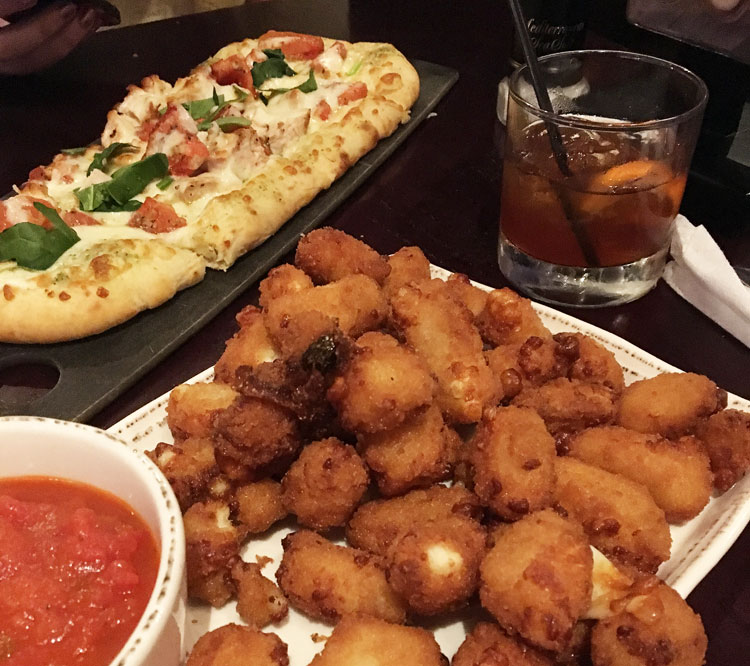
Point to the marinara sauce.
(77, 567)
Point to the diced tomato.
(37, 173)
(75, 218)
(323, 110)
(354, 92)
(147, 128)
(187, 157)
(234, 69)
(294, 45)
(156, 217)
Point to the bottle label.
(556, 25)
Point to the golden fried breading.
(537, 579)
(656, 627)
(377, 524)
(235, 645)
(671, 404)
(440, 330)
(464, 292)
(512, 459)
(256, 433)
(259, 600)
(488, 645)
(676, 473)
(542, 359)
(503, 363)
(328, 254)
(250, 345)
(361, 640)
(189, 466)
(416, 454)
(191, 408)
(326, 581)
(726, 438)
(381, 385)
(509, 318)
(407, 265)
(596, 364)
(619, 515)
(355, 303)
(569, 405)
(434, 566)
(283, 280)
(211, 549)
(258, 506)
(325, 484)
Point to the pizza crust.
(92, 287)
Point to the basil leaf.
(273, 68)
(274, 53)
(306, 87)
(74, 151)
(241, 94)
(110, 206)
(162, 110)
(90, 198)
(229, 123)
(310, 85)
(101, 158)
(200, 108)
(355, 69)
(115, 195)
(32, 246)
(165, 182)
(132, 179)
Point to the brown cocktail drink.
(596, 230)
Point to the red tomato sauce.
(77, 567)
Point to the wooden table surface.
(440, 190)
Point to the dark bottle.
(554, 25)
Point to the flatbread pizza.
(190, 175)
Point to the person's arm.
(43, 37)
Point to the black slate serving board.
(95, 370)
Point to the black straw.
(555, 139)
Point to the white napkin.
(701, 274)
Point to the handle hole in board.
(23, 383)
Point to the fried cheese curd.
(259, 600)
(509, 318)
(295, 319)
(407, 265)
(511, 459)
(189, 466)
(256, 435)
(235, 645)
(676, 473)
(726, 438)
(569, 405)
(440, 329)
(250, 345)
(489, 645)
(377, 524)
(192, 407)
(212, 547)
(326, 581)
(381, 385)
(325, 484)
(656, 626)
(416, 454)
(596, 364)
(434, 566)
(328, 254)
(619, 515)
(671, 404)
(536, 580)
(257, 506)
(472, 297)
(365, 640)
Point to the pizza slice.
(194, 174)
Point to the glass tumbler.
(590, 192)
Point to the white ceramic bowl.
(36, 446)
